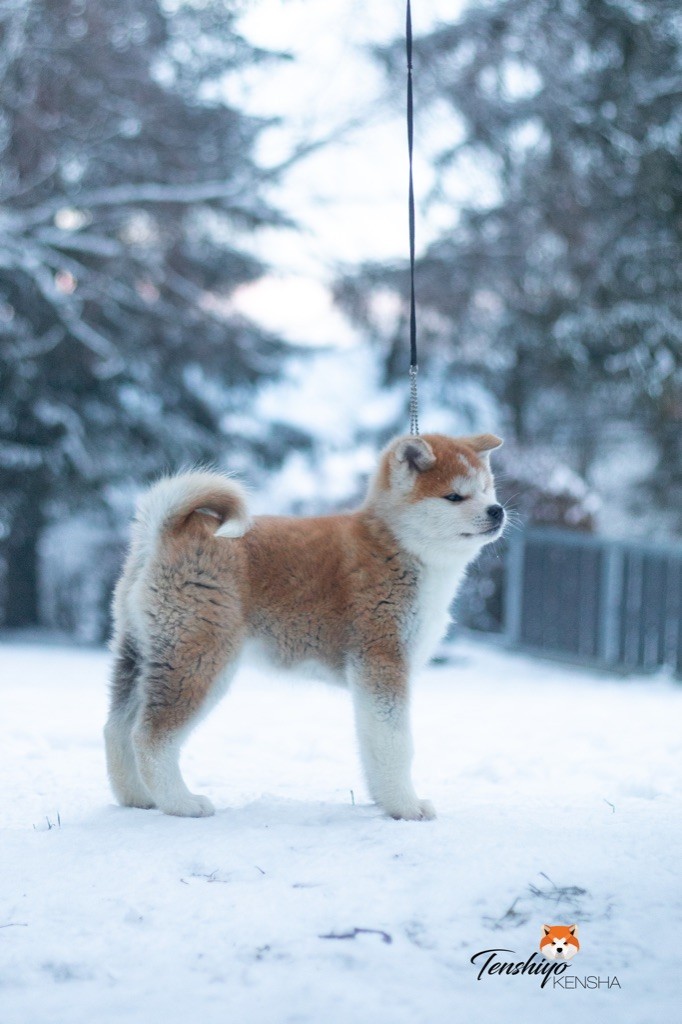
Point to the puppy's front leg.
(380, 688)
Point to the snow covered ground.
(558, 794)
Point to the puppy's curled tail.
(167, 505)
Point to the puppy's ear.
(573, 929)
(416, 453)
(483, 444)
(546, 928)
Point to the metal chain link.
(414, 403)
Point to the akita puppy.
(362, 597)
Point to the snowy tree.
(126, 186)
(562, 284)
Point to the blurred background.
(203, 241)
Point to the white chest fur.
(436, 590)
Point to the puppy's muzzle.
(495, 514)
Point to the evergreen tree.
(126, 185)
(564, 291)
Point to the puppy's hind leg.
(128, 787)
(381, 702)
(179, 689)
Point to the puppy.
(361, 597)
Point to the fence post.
(673, 620)
(610, 604)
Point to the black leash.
(414, 366)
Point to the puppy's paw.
(133, 795)
(190, 806)
(417, 810)
(144, 803)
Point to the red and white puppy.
(362, 597)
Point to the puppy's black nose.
(496, 513)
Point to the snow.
(538, 772)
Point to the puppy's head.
(437, 494)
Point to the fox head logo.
(559, 942)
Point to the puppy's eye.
(454, 497)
